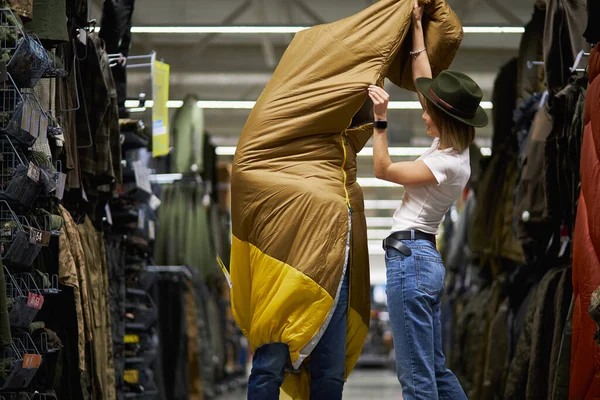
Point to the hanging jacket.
(531, 48)
(294, 191)
(493, 237)
(585, 353)
(563, 39)
(504, 97)
(532, 370)
(188, 137)
(563, 147)
(531, 215)
(592, 33)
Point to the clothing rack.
(531, 64)
(171, 269)
(151, 57)
(580, 55)
(167, 179)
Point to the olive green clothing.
(71, 272)
(492, 235)
(532, 370)
(49, 21)
(496, 362)
(103, 368)
(188, 137)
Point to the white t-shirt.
(423, 207)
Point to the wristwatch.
(381, 125)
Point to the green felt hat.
(455, 94)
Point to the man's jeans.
(415, 286)
(327, 362)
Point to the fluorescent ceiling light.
(137, 109)
(165, 178)
(381, 204)
(248, 105)
(376, 249)
(378, 234)
(376, 183)
(239, 105)
(493, 29)
(287, 29)
(366, 152)
(216, 29)
(396, 151)
(378, 222)
(225, 151)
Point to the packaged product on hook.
(23, 250)
(25, 184)
(29, 63)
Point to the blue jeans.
(415, 286)
(327, 361)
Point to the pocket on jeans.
(392, 254)
(430, 274)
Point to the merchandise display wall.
(101, 299)
(520, 257)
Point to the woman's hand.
(417, 13)
(380, 102)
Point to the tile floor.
(379, 384)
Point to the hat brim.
(479, 120)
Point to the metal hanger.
(531, 64)
(580, 55)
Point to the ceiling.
(237, 66)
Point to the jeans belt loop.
(412, 235)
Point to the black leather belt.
(394, 240)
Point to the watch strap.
(381, 125)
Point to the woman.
(415, 273)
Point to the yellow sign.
(132, 339)
(132, 376)
(160, 112)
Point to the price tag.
(151, 230)
(82, 36)
(565, 240)
(104, 188)
(32, 361)
(142, 176)
(26, 116)
(206, 199)
(44, 125)
(109, 218)
(141, 219)
(155, 202)
(132, 376)
(34, 129)
(35, 301)
(39, 237)
(35, 236)
(132, 339)
(33, 172)
(61, 181)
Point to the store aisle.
(363, 384)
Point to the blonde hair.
(453, 133)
